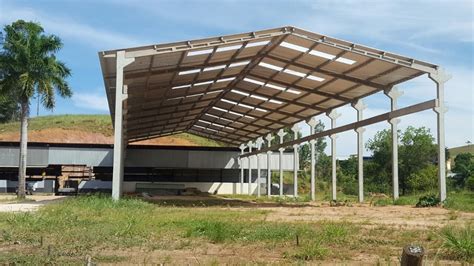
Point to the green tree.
(378, 171)
(417, 151)
(30, 67)
(463, 168)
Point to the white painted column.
(119, 141)
(241, 162)
(295, 130)
(281, 133)
(312, 126)
(333, 115)
(394, 94)
(250, 145)
(259, 143)
(440, 79)
(360, 106)
(269, 139)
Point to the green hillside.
(101, 124)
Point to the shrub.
(423, 180)
(470, 183)
(350, 187)
(428, 201)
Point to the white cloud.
(92, 101)
(403, 22)
(66, 28)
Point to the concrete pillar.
(394, 94)
(119, 141)
(295, 130)
(440, 79)
(259, 143)
(281, 133)
(312, 126)
(269, 139)
(333, 115)
(360, 106)
(241, 163)
(250, 145)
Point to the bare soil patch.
(397, 216)
(59, 135)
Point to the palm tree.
(29, 67)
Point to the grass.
(90, 123)
(459, 242)
(456, 200)
(460, 200)
(101, 124)
(96, 226)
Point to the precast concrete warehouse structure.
(244, 89)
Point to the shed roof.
(236, 88)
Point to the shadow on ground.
(210, 200)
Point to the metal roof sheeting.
(281, 76)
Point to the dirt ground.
(59, 135)
(397, 216)
(8, 203)
(193, 252)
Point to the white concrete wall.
(222, 188)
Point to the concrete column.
(259, 143)
(394, 94)
(250, 145)
(281, 133)
(312, 125)
(119, 141)
(360, 106)
(269, 139)
(333, 115)
(440, 79)
(241, 162)
(295, 130)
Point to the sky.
(439, 32)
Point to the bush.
(350, 186)
(470, 183)
(423, 180)
(427, 201)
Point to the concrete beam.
(295, 130)
(241, 163)
(440, 78)
(312, 126)
(393, 93)
(430, 104)
(250, 144)
(281, 133)
(269, 139)
(360, 106)
(259, 143)
(119, 142)
(333, 115)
